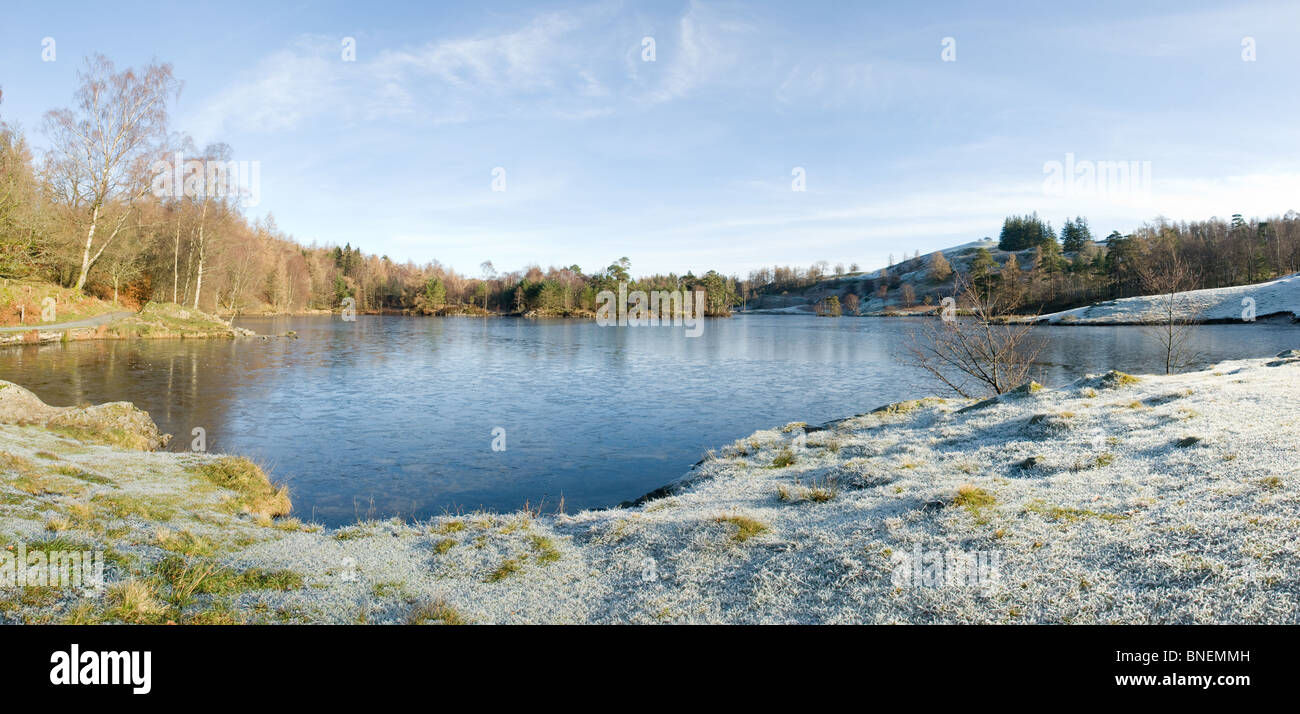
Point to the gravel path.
(95, 321)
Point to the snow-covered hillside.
(913, 272)
(1239, 303)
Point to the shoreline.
(153, 321)
(1112, 499)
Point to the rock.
(980, 405)
(116, 423)
(1287, 357)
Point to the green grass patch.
(745, 527)
(508, 567)
(544, 548)
(449, 527)
(1070, 515)
(783, 459)
(82, 475)
(187, 577)
(435, 612)
(146, 507)
(254, 492)
(974, 500)
(388, 589)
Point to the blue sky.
(685, 163)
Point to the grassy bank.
(22, 302)
(154, 321)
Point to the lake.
(397, 416)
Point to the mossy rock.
(118, 424)
(1115, 379)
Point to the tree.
(981, 268)
(851, 303)
(1009, 280)
(1121, 262)
(940, 268)
(1075, 235)
(1048, 259)
(100, 153)
(909, 295)
(1021, 232)
(23, 229)
(435, 293)
(978, 355)
(489, 275)
(718, 294)
(1168, 278)
(211, 206)
(124, 264)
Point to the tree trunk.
(198, 284)
(176, 261)
(85, 254)
(198, 279)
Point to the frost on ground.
(1274, 298)
(1165, 499)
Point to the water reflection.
(400, 410)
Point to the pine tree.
(1047, 258)
(1069, 239)
(1082, 231)
(981, 268)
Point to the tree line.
(1033, 269)
(89, 214)
(1041, 273)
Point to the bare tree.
(124, 264)
(214, 202)
(1166, 278)
(978, 354)
(101, 151)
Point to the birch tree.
(101, 149)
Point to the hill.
(914, 273)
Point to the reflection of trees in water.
(181, 383)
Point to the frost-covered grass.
(1165, 499)
(1272, 298)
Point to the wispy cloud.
(552, 65)
(285, 89)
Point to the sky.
(908, 126)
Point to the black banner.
(309, 663)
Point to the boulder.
(116, 423)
